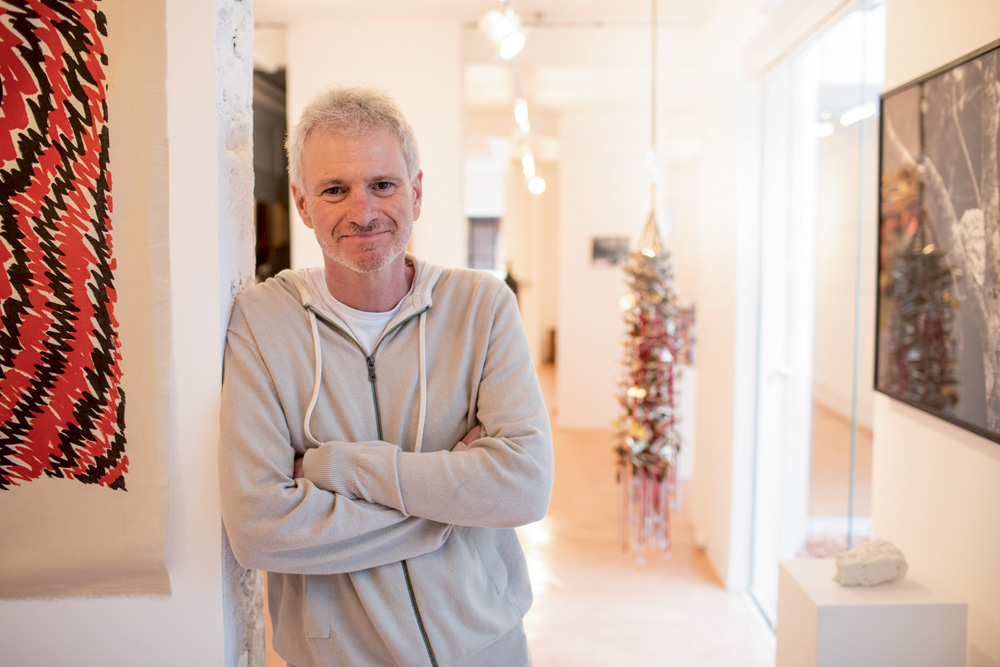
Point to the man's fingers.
(475, 434)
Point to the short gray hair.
(352, 111)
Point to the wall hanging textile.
(74, 514)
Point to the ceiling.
(579, 53)
(608, 12)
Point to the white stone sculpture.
(870, 564)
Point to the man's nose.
(363, 208)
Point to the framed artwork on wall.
(609, 250)
(938, 322)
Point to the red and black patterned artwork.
(62, 409)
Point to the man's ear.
(418, 193)
(300, 204)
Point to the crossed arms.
(347, 506)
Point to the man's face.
(358, 198)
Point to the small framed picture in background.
(609, 250)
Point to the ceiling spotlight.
(536, 185)
(521, 115)
(528, 165)
(504, 28)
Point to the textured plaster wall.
(242, 589)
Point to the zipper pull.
(371, 369)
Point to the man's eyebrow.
(324, 184)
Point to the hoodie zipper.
(370, 360)
(372, 378)
(416, 612)
(373, 381)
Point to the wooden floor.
(593, 608)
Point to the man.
(383, 431)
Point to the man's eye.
(333, 190)
(383, 185)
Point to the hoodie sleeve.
(502, 480)
(281, 524)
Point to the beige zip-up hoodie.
(397, 548)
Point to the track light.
(521, 115)
(536, 185)
(504, 28)
(528, 165)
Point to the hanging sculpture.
(649, 439)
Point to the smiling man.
(383, 432)
(360, 198)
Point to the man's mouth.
(365, 233)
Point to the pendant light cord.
(652, 113)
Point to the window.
(817, 298)
(483, 233)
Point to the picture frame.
(609, 250)
(938, 300)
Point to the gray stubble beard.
(368, 262)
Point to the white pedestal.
(898, 624)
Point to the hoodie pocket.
(318, 601)
(504, 564)
(478, 589)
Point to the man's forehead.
(326, 147)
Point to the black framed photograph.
(609, 250)
(938, 322)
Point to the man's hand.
(475, 434)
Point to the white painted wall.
(164, 155)
(935, 490)
(719, 274)
(418, 63)
(548, 271)
(603, 191)
(529, 228)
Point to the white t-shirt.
(365, 326)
